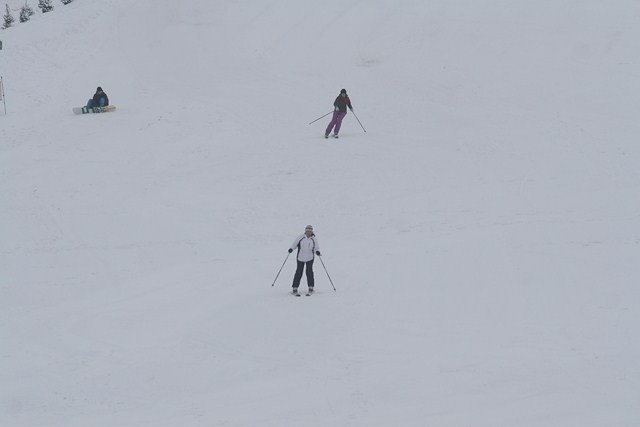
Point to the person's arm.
(336, 104)
(295, 243)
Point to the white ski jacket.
(307, 247)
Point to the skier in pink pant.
(340, 110)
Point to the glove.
(290, 250)
(337, 109)
(318, 253)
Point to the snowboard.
(94, 110)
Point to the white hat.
(308, 227)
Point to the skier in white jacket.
(308, 247)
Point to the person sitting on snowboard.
(100, 99)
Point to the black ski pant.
(298, 275)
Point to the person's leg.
(90, 103)
(103, 101)
(339, 118)
(298, 275)
(310, 280)
(332, 123)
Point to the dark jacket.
(98, 95)
(341, 103)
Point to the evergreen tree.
(8, 19)
(45, 5)
(26, 12)
(66, 1)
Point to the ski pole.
(4, 102)
(322, 117)
(285, 260)
(354, 115)
(325, 270)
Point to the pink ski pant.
(336, 121)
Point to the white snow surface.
(483, 234)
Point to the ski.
(297, 294)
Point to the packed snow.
(483, 234)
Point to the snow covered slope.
(483, 234)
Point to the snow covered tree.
(8, 19)
(45, 5)
(66, 1)
(26, 12)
